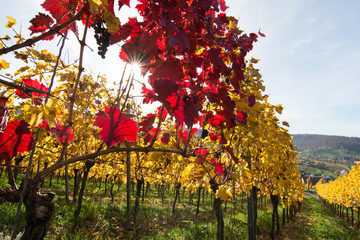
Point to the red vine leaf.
(164, 88)
(190, 113)
(33, 85)
(170, 69)
(213, 136)
(56, 8)
(251, 100)
(165, 113)
(241, 117)
(62, 133)
(184, 135)
(216, 120)
(219, 167)
(177, 37)
(222, 140)
(261, 34)
(126, 2)
(150, 135)
(149, 95)
(223, 6)
(17, 138)
(116, 127)
(141, 48)
(40, 23)
(60, 11)
(165, 138)
(43, 124)
(147, 123)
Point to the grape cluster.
(102, 37)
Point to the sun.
(136, 69)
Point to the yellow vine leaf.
(21, 55)
(11, 22)
(285, 123)
(199, 50)
(232, 24)
(4, 64)
(254, 60)
(20, 70)
(279, 108)
(223, 193)
(94, 5)
(20, 38)
(112, 22)
(52, 110)
(36, 119)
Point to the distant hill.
(332, 147)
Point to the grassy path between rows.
(102, 220)
(315, 221)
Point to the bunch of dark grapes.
(102, 37)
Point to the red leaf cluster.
(167, 44)
(214, 137)
(60, 11)
(219, 167)
(17, 138)
(184, 134)
(116, 127)
(201, 153)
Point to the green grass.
(315, 221)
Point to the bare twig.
(76, 84)
(158, 127)
(188, 139)
(24, 88)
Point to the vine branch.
(52, 31)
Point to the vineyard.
(343, 194)
(214, 141)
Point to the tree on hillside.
(308, 183)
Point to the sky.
(309, 60)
